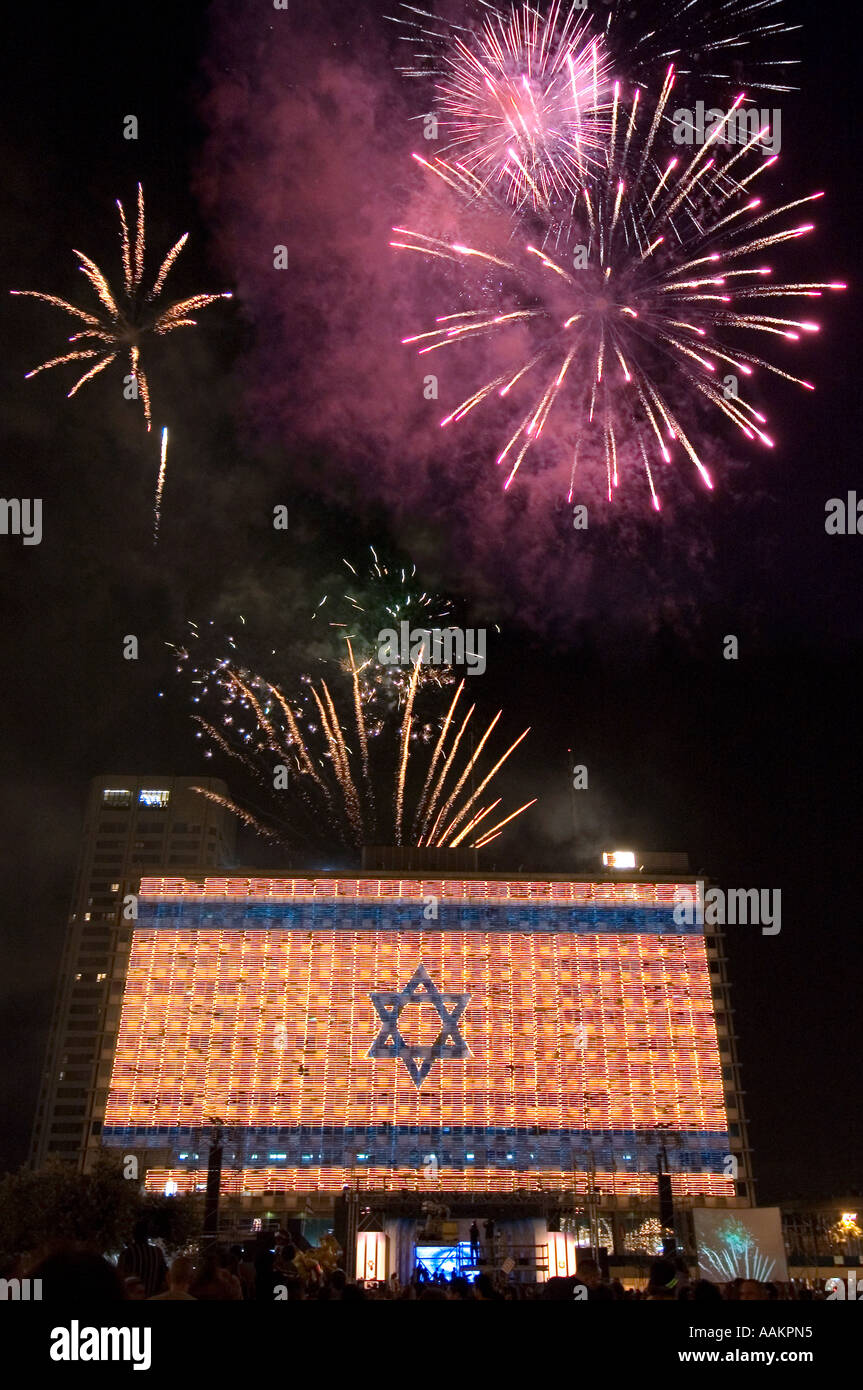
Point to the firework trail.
(721, 40)
(520, 99)
(122, 321)
(315, 768)
(160, 485)
(667, 288)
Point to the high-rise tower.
(131, 826)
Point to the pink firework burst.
(649, 297)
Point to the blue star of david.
(390, 1043)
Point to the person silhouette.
(474, 1243)
(489, 1237)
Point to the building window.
(154, 797)
(113, 796)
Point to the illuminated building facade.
(458, 1034)
(130, 825)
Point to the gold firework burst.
(121, 321)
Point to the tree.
(57, 1205)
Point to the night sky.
(295, 392)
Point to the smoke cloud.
(310, 138)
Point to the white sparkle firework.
(521, 99)
(742, 41)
